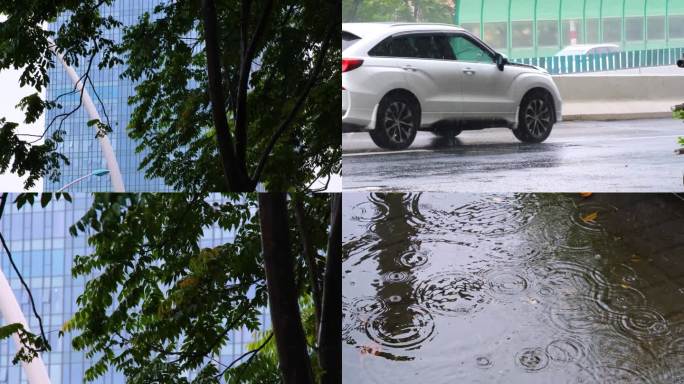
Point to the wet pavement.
(514, 288)
(617, 156)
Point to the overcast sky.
(10, 94)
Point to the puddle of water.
(446, 288)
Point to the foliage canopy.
(273, 119)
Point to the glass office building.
(80, 145)
(43, 250)
(536, 28)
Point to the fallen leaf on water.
(586, 194)
(373, 349)
(590, 218)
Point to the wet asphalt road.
(613, 156)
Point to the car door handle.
(469, 71)
(408, 68)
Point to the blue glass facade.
(80, 145)
(43, 250)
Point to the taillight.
(350, 64)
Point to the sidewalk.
(652, 227)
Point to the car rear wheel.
(397, 123)
(535, 119)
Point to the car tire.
(397, 122)
(536, 118)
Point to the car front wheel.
(397, 123)
(536, 118)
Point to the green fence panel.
(606, 62)
(635, 59)
(651, 58)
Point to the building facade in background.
(44, 250)
(537, 28)
(80, 144)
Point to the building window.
(568, 27)
(592, 31)
(473, 28)
(677, 27)
(656, 28)
(634, 29)
(547, 33)
(612, 30)
(495, 34)
(521, 34)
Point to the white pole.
(36, 372)
(105, 144)
(76, 181)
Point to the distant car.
(588, 49)
(398, 78)
(680, 63)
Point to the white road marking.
(385, 153)
(593, 139)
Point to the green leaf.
(45, 199)
(24, 198)
(9, 330)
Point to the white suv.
(398, 78)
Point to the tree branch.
(247, 52)
(46, 345)
(236, 181)
(330, 348)
(298, 104)
(308, 250)
(253, 353)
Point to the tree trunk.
(295, 365)
(330, 336)
(238, 180)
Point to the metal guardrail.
(559, 65)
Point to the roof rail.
(406, 23)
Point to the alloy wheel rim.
(537, 117)
(398, 122)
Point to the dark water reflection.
(450, 288)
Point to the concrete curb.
(616, 116)
(619, 97)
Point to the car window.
(465, 49)
(348, 39)
(421, 46)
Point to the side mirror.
(680, 63)
(501, 61)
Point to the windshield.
(348, 39)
